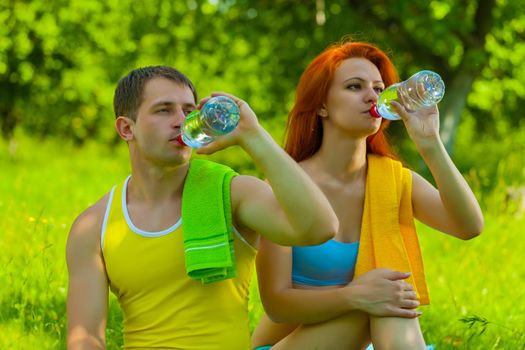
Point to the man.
(131, 240)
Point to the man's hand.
(382, 292)
(247, 129)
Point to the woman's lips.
(374, 112)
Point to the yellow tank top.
(163, 307)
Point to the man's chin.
(179, 161)
(175, 160)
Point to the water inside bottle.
(432, 89)
(424, 91)
(192, 131)
(383, 103)
(221, 115)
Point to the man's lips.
(178, 139)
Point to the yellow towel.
(388, 235)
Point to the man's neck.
(157, 184)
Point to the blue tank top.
(327, 264)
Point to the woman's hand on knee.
(383, 292)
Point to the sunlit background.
(60, 62)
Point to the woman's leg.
(350, 331)
(268, 332)
(396, 333)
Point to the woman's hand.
(383, 292)
(422, 125)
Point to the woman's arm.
(452, 207)
(380, 292)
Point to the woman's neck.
(341, 159)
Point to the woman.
(329, 296)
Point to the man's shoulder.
(247, 188)
(88, 224)
(207, 165)
(84, 254)
(242, 183)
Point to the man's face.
(164, 106)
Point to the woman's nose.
(372, 95)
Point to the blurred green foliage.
(60, 62)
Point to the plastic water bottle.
(220, 115)
(423, 89)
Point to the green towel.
(207, 222)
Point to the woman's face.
(355, 87)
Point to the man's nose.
(179, 117)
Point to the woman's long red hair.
(304, 131)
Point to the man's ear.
(322, 112)
(124, 126)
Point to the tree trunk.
(453, 105)
(472, 62)
(8, 121)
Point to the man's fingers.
(218, 144)
(210, 148)
(233, 97)
(206, 150)
(240, 103)
(202, 102)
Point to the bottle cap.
(180, 140)
(374, 112)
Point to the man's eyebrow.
(171, 103)
(162, 103)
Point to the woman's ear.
(124, 126)
(322, 112)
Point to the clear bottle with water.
(423, 89)
(220, 115)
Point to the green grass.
(477, 289)
(474, 282)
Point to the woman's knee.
(395, 333)
(349, 331)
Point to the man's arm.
(290, 209)
(88, 286)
